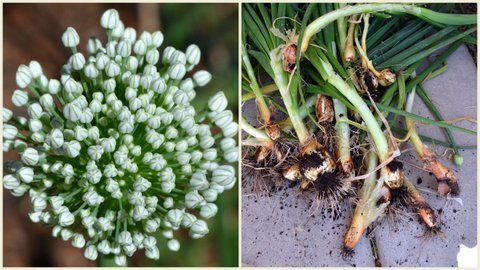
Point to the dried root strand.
(260, 177)
(400, 205)
(432, 233)
(331, 189)
(263, 165)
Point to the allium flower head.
(112, 151)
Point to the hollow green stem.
(281, 80)
(381, 143)
(402, 132)
(261, 104)
(259, 134)
(421, 119)
(414, 138)
(422, 13)
(342, 131)
(342, 32)
(303, 112)
(367, 209)
(264, 90)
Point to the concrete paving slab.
(278, 230)
(454, 93)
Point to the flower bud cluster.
(113, 152)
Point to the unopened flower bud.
(224, 175)
(193, 54)
(173, 245)
(9, 132)
(30, 157)
(7, 115)
(209, 210)
(218, 102)
(176, 71)
(93, 45)
(78, 240)
(199, 229)
(132, 63)
(110, 19)
(53, 86)
(25, 174)
(78, 61)
(230, 130)
(91, 253)
(140, 48)
(124, 48)
(35, 69)
(19, 98)
(231, 155)
(202, 78)
(66, 219)
(70, 38)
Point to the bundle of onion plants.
(345, 74)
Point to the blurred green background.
(33, 32)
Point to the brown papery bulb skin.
(386, 77)
(324, 109)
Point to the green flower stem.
(421, 119)
(264, 90)
(381, 143)
(260, 101)
(342, 131)
(402, 132)
(109, 35)
(281, 80)
(423, 13)
(367, 209)
(80, 208)
(342, 30)
(259, 134)
(414, 138)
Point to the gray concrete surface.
(278, 229)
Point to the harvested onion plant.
(345, 74)
(113, 154)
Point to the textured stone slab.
(278, 230)
(455, 94)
